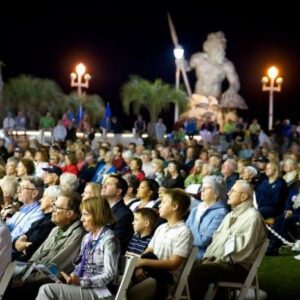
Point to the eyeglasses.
(25, 188)
(55, 207)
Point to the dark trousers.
(282, 226)
(203, 274)
(28, 291)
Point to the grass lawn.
(279, 276)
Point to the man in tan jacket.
(59, 249)
(235, 244)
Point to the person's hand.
(139, 274)
(16, 283)
(139, 263)
(23, 237)
(209, 260)
(71, 279)
(288, 213)
(21, 245)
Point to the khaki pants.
(57, 291)
(144, 290)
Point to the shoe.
(272, 252)
(297, 257)
(296, 246)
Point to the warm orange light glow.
(80, 69)
(272, 72)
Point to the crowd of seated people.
(127, 208)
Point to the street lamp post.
(180, 67)
(274, 86)
(81, 82)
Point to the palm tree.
(93, 105)
(155, 96)
(34, 96)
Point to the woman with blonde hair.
(157, 166)
(97, 264)
(91, 190)
(271, 193)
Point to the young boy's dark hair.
(181, 199)
(149, 214)
(144, 224)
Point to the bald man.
(235, 244)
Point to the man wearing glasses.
(60, 248)
(30, 191)
(63, 242)
(235, 244)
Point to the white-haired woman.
(9, 188)
(208, 215)
(68, 182)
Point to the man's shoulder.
(121, 209)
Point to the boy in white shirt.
(171, 244)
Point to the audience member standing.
(140, 125)
(8, 122)
(160, 130)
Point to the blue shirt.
(138, 244)
(204, 229)
(21, 221)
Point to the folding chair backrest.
(183, 279)
(252, 273)
(6, 277)
(127, 275)
(243, 287)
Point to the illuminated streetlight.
(274, 86)
(180, 67)
(80, 73)
(81, 82)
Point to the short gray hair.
(70, 180)
(252, 170)
(53, 191)
(217, 184)
(9, 186)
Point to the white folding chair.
(9, 271)
(182, 284)
(250, 282)
(127, 275)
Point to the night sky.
(48, 39)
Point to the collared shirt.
(60, 248)
(21, 221)
(169, 240)
(246, 225)
(138, 244)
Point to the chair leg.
(256, 288)
(211, 292)
(188, 296)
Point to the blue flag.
(105, 122)
(80, 114)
